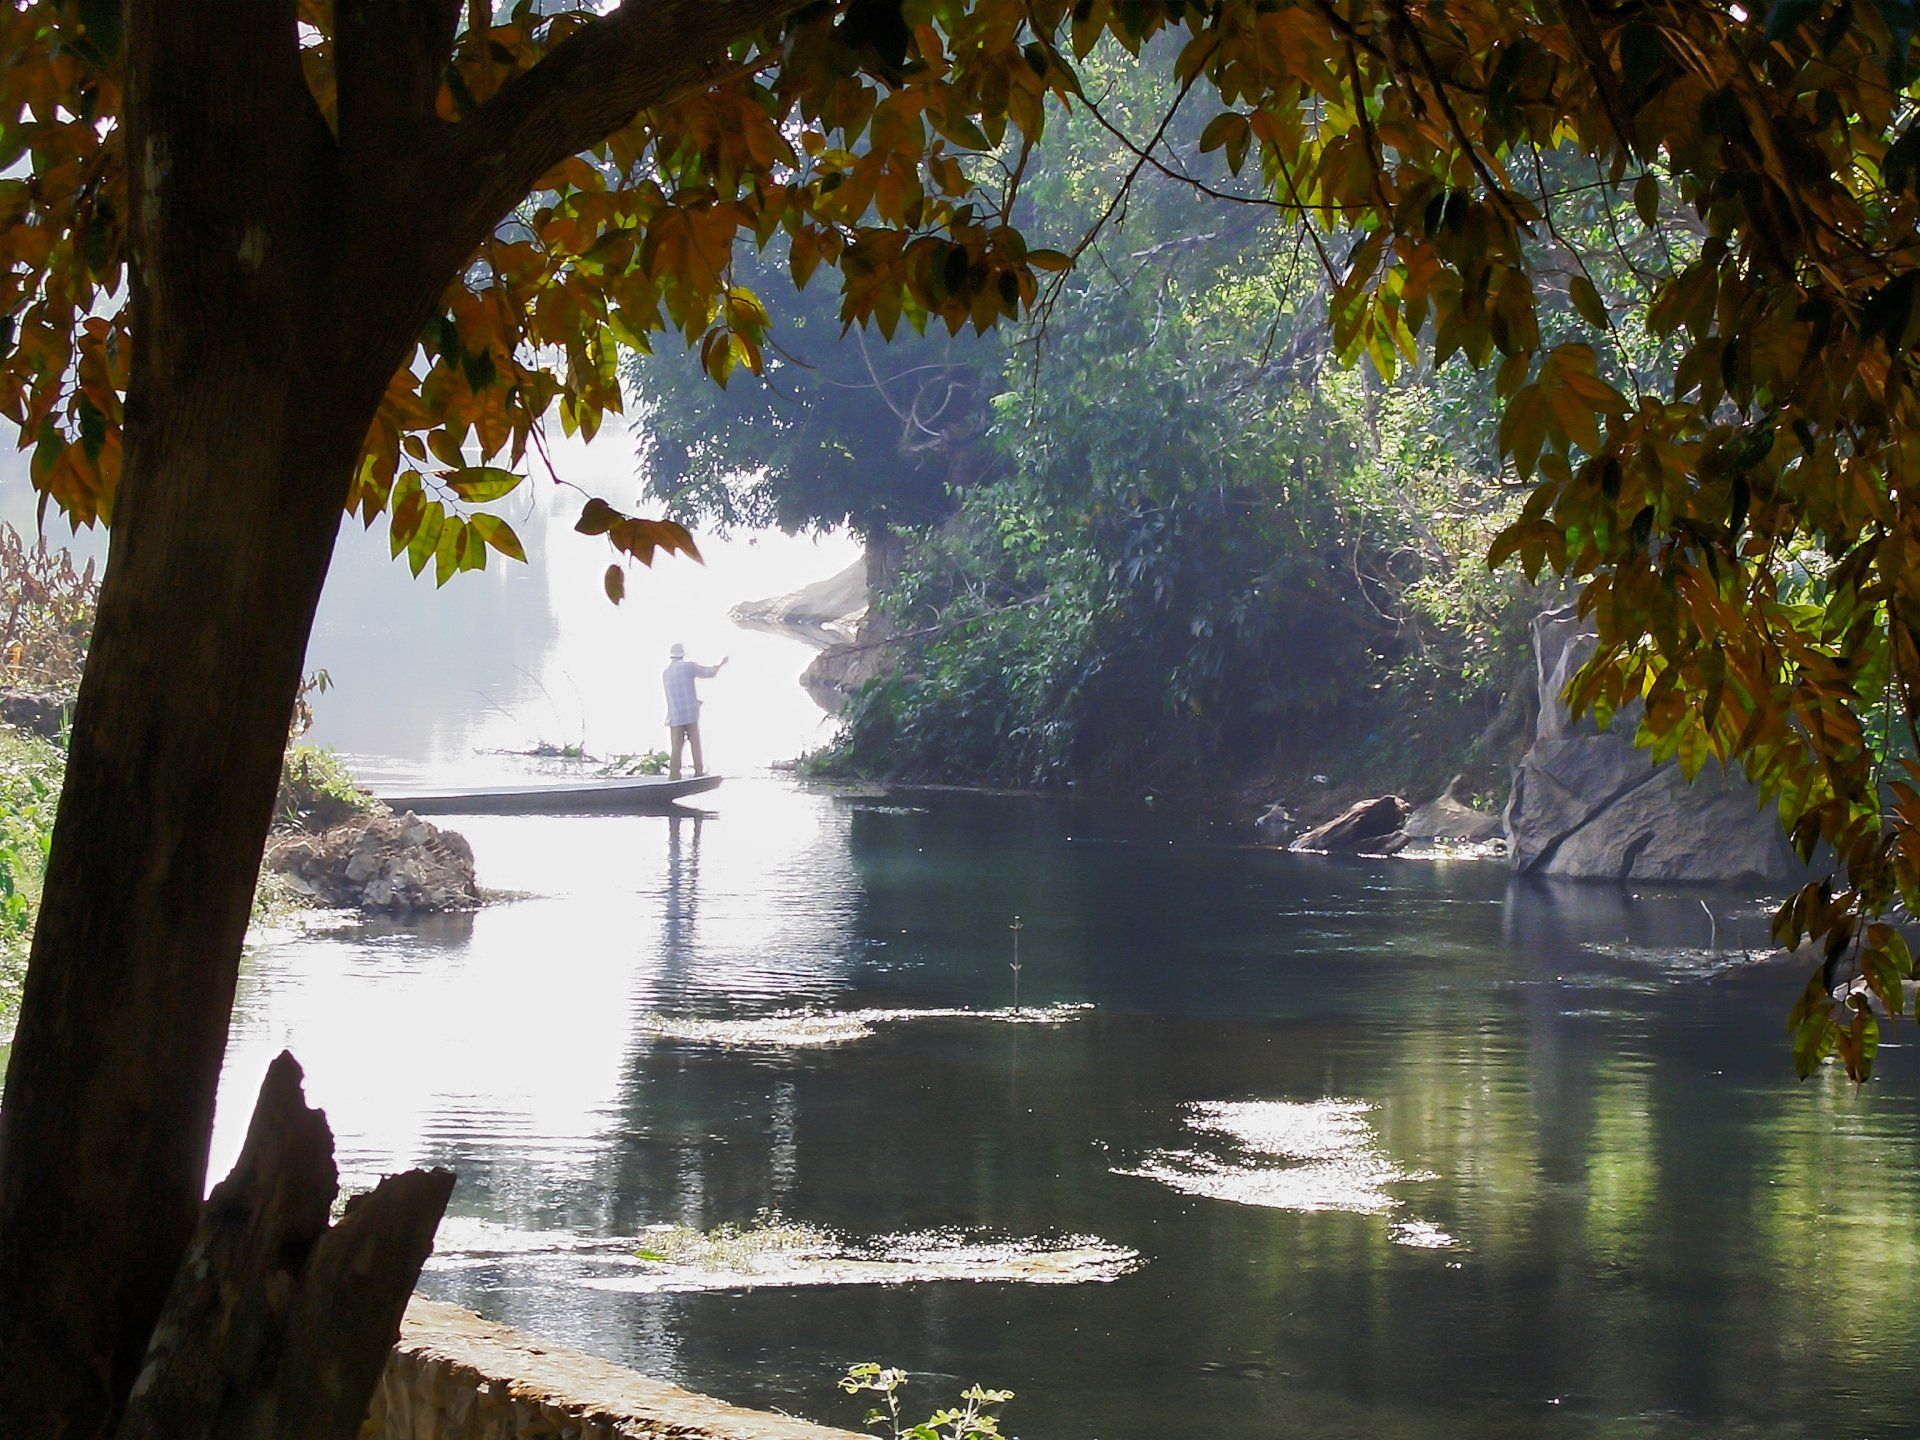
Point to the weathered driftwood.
(278, 1325)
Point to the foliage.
(1207, 538)
(49, 607)
(311, 686)
(317, 791)
(648, 762)
(834, 431)
(30, 773)
(972, 1419)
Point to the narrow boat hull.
(635, 795)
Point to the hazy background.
(430, 682)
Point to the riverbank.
(332, 846)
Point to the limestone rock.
(386, 864)
(827, 612)
(1371, 827)
(1588, 805)
(1276, 824)
(1448, 817)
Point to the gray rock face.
(1450, 818)
(386, 865)
(1371, 827)
(1587, 805)
(41, 713)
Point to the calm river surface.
(1373, 1148)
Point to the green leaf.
(496, 532)
(1586, 299)
(1646, 200)
(426, 538)
(481, 483)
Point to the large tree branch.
(389, 57)
(643, 54)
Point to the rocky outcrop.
(1588, 805)
(381, 864)
(835, 617)
(827, 612)
(38, 712)
(1448, 817)
(835, 675)
(1276, 824)
(1371, 827)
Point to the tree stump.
(279, 1325)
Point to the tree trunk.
(244, 421)
(227, 522)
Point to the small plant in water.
(769, 1236)
(973, 1420)
(649, 762)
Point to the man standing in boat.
(683, 705)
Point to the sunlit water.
(1273, 1145)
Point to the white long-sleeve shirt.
(683, 699)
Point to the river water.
(1274, 1145)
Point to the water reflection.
(1659, 1233)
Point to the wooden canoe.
(625, 795)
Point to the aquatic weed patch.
(775, 1251)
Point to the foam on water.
(1311, 1156)
(1420, 1235)
(805, 1029)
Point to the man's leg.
(693, 736)
(678, 734)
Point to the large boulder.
(1371, 827)
(1588, 805)
(827, 612)
(382, 864)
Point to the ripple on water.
(1311, 1156)
(802, 1029)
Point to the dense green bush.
(1201, 558)
(317, 791)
